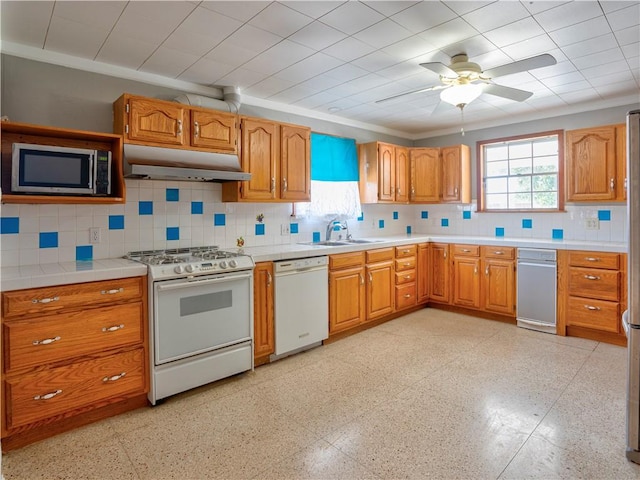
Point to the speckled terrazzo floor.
(429, 395)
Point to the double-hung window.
(521, 173)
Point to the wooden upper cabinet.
(456, 174)
(595, 164)
(386, 172)
(295, 163)
(260, 151)
(425, 174)
(215, 130)
(402, 175)
(157, 122)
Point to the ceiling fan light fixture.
(461, 95)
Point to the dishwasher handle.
(537, 264)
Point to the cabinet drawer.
(594, 283)
(406, 251)
(405, 295)
(507, 253)
(596, 314)
(609, 261)
(344, 260)
(407, 263)
(406, 276)
(379, 255)
(63, 336)
(467, 250)
(36, 301)
(51, 392)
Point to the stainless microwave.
(48, 169)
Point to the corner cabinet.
(12, 132)
(278, 157)
(263, 313)
(595, 160)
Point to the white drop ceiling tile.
(495, 15)
(241, 77)
(472, 46)
(378, 93)
(124, 51)
(309, 67)
(613, 5)
(321, 82)
(463, 7)
(590, 46)
(449, 33)
(599, 58)
(280, 20)
(317, 35)
(227, 52)
(615, 89)
(403, 70)
(375, 61)
(98, 14)
(552, 101)
(514, 32)
(292, 95)
(530, 47)
(568, 14)
(75, 38)
(382, 34)
(617, 77)
(346, 72)
(631, 51)
(351, 17)
(559, 68)
(625, 18)
(360, 84)
(243, 11)
(167, 62)
(570, 87)
(313, 9)
(278, 57)
(582, 31)
(267, 87)
(606, 69)
(132, 25)
(515, 79)
(209, 24)
(253, 39)
(167, 15)
(389, 8)
(25, 22)
(349, 49)
(628, 36)
(341, 104)
(411, 47)
(563, 79)
(588, 94)
(424, 15)
(492, 59)
(317, 100)
(205, 72)
(537, 7)
(189, 43)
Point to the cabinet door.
(456, 174)
(499, 285)
(466, 282)
(423, 273)
(439, 281)
(295, 165)
(263, 326)
(214, 130)
(346, 299)
(260, 149)
(402, 174)
(158, 122)
(591, 164)
(425, 175)
(380, 289)
(386, 172)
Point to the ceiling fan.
(463, 81)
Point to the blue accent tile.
(316, 236)
(424, 214)
(361, 217)
(145, 208)
(173, 195)
(84, 252)
(197, 208)
(499, 231)
(395, 215)
(293, 227)
(557, 234)
(604, 215)
(444, 222)
(259, 228)
(10, 225)
(408, 229)
(173, 233)
(116, 222)
(48, 240)
(219, 219)
(527, 223)
(466, 215)
(380, 223)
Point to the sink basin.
(360, 240)
(339, 243)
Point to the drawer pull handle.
(114, 378)
(592, 277)
(47, 396)
(45, 300)
(408, 295)
(591, 307)
(113, 328)
(112, 292)
(406, 251)
(407, 277)
(592, 259)
(466, 250)
(498, 252)
(407, 264)
(46, 341)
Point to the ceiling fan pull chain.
(462, 120)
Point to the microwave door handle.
(93, 158)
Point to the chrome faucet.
(333, 224)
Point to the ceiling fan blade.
(538, 61)
(440, 68)
(506, 92)
(437, 87)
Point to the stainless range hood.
(142, 161)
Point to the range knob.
(190, 268)
(233, 263)
(178, 269)
(223, 264)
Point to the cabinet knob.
(196, 129)
(47, 396)
(612, 183)
(486, 270)
(269, 279)
(370, 278)
(46, 341)
(179, 131)
(273, 184)
(284, 184)
(408, 295)
(361, 279)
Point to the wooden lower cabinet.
(498, 272)
(263, 313)
(439, 282)
(380, 281)
(72, 354)
(466, 276)
(422, 274)
(406, 263)
(347, 291)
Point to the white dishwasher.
(301, 304)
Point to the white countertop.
(32, 276)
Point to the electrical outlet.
(592, 224)
(285, 229)
(95, 235)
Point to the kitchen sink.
(361, 240)
(339, 243)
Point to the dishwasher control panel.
(301, 264)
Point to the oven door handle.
(204, 281)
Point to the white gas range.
(200, 316)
